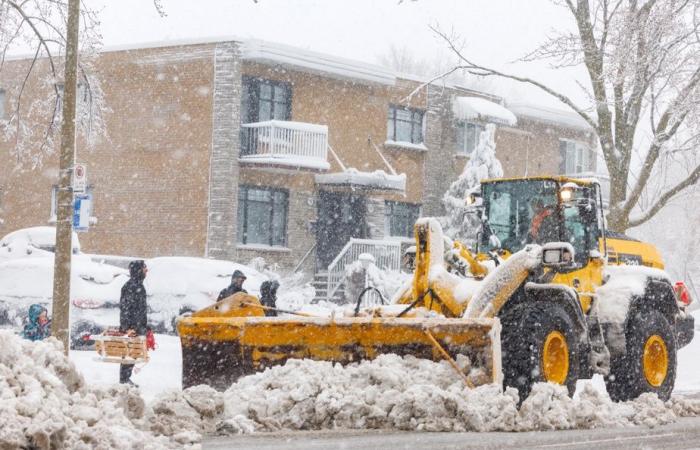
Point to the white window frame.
(392, 120)
(461, 128)
(584, 157)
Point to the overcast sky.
(496, 32)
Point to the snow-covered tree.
(642, 59)
(32, 122)
(483, 164)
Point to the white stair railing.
(387, 256)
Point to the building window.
(468, 134)
(262, 216)
(400, 218)
(576, 157)
(405, 125)
(54, 202)
(264, 100)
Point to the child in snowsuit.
(38, 325)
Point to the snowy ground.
(162, 373)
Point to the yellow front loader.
(522, 306)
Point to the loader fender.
(658, 296)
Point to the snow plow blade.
(217, 350)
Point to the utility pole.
(60, 326)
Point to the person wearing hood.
(38, 325)
(236, 286)
(133, 318)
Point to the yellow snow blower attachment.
(233, 337)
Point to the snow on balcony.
(284, 143)
(477, 108)
(368, 180)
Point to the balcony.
(277, 143)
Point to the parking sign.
(79, 178)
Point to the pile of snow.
(406, 393)
(624, 283)
(45, 404)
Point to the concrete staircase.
(320, 283)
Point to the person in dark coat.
(268, 296)
(38, 324)
(133, 318)
(236, 285)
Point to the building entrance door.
(341, 216)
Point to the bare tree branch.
(663, 200)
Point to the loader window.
(576, 233)
(510, 210)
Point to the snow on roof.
(555, 116)
(477, 108)
(353, 177)
(267, 52)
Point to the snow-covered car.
(34, 241)
(176, 285)
(26, 277)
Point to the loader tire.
(649, 363)
(533, 331)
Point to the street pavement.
(684, 434)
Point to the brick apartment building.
(234, 150)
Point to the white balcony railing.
(387, 256)
(285, 143)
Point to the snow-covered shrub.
(462, 221)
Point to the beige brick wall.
(150, 175)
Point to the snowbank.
(46, 404)
(406, 393)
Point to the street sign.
(79, 178)
(82, 208)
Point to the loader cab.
(518, 212)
